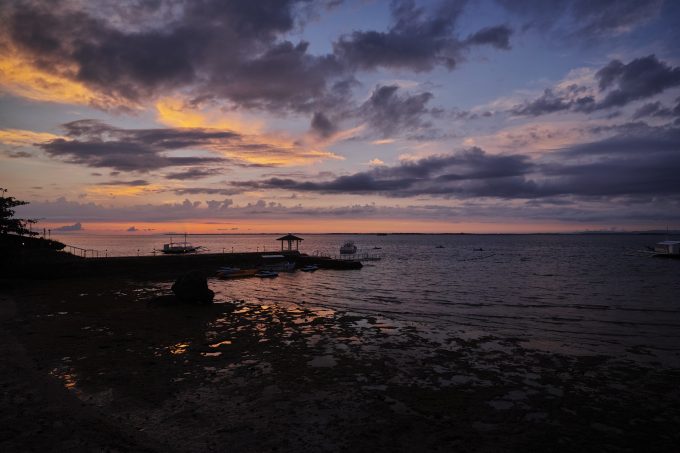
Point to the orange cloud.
(20, 137)
(20, 77)
(254, 147)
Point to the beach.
(98, 365)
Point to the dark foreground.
(92, 365)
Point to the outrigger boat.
(176, 248)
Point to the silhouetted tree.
(9, 224)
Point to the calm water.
(573, 294)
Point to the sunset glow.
(436, 115)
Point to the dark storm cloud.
(220, 49)
(388, 112)
(584, 19)
(620, 84)
(96, 144)
(417, 39)
(642, 161)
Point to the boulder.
(192, 288)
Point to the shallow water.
(581, 294)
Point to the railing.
(85, 253)
(361, 256)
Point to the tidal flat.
(96, 364)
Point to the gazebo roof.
(289, 237)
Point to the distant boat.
(309, 268)
(669, 249)
(439, 247)
(348, 248)
(176, 248)
(377, 248)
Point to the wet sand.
(94, 365)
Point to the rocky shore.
(95, 365)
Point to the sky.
(247, 116)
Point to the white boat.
(348, 248)
(667, 248)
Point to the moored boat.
(177, 248)
(348, 248)
(309, 268)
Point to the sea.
(589, 294)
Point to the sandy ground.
(93, 365)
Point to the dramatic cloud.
(468, 172)
(387, 112)
(417, 40)
(97, 144)
(619, 84)
(128, 53)
(639, 79)
(322, 125)
(642, 161)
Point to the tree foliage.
(8, 223)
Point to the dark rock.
(192, 287)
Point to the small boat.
(439, 247)
(377, 248)
(176, 248)
(309, 268)
(348, 248)
(267, 274)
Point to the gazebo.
(290, 238)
